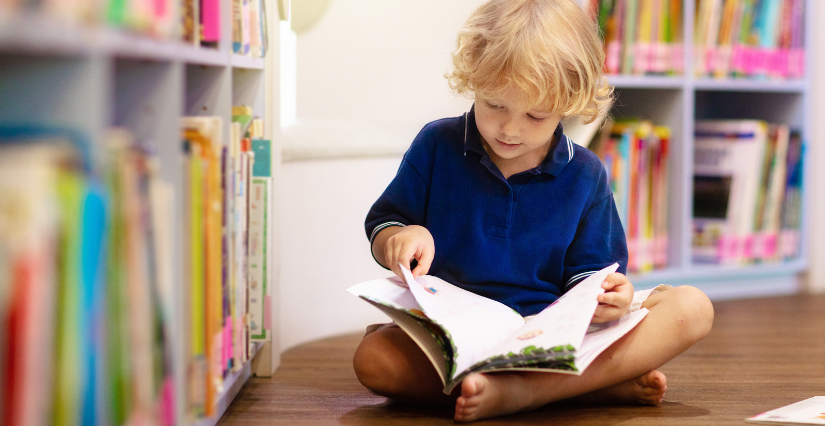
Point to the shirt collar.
(557, 158)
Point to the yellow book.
(198, 366)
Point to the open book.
(462, 332)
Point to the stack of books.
(749, 38)
(89, 308)
(747, 189)
(635, 154)
(640, 36)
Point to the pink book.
(211, 20)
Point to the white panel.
(324, 248)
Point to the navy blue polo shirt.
(523, 241)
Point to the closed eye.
(536, 119)
(491, 106)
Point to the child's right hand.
(402, 245)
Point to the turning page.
(475, 323)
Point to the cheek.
(485, 125)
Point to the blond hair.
(549, 50)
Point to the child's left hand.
(614, 302)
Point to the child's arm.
(615, 300)
(397, 244)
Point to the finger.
(396, 257)
(405, 255)
(425, 260)
(606, 313)
(612, 299)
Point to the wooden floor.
(760, 355)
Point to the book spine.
(210, 20)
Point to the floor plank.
(761, 354)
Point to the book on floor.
(462, 332)
(807, 412)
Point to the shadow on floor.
(564, 414)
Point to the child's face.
(516, 137)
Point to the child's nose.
(509, 127)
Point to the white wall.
(368, 68)
(381, 61)
(325, 249)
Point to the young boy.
(499, 202)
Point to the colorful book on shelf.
(635, 155)
(29, 168)
(241, 26)
(135, 171)
(659, 196)
(93, 284)
(255, 36)
(641, 36)
(210, 18)
(612, 34)
(771, 192)
(756, 38)
(727, 175)
(791, 213)
(207, 248)
(260, 268)
(190, 21)
(260, 230)
(644, 35)
(198, 370)
(629, 31)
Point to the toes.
(654, 379)
(473, 385)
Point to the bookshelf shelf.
(751, 85)
(35, 34)
(707, 273)
(650, 82)
(248, 62)
(233, 383)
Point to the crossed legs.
(390, 364)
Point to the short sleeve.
(599, 242)
(404, 202)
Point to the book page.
(475, 324)
(392, 297)
(600, 336)
(808, 412)
(387, 291)
(561, 326)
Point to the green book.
(263, 158)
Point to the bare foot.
(647, 389)
(489, 395)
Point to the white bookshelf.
(678, 101)
(92, 78)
